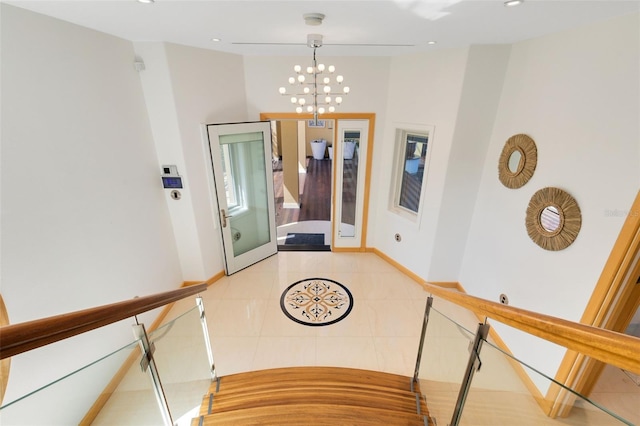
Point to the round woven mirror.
(517, 161)
(553, 219)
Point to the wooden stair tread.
(309, 383)
(315, 395)
(315, 375)
(324, 395)
(317, 414)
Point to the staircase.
(313, 395)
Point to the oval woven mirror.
(553, 219)
(517, 161)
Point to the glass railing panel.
(183, 364)
(444, 358)
(58, 402)
(507, 391)
(619, 391)
(133, 400)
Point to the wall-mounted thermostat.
(170, 177)
(171, 182)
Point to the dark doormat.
(304, 239)
(304, 242)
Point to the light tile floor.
(249, 331)
(246, 314)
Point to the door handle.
(224, 217)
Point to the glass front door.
(241, 160)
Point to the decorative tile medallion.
(316, 302)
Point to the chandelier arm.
(323, 93)
(311, 94)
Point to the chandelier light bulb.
(338, 100)
(346, 90)
(321, 67)
(327, 89)
(327, 99)
(306, 90)
(332, 108)
(294, 100)
(302, 101)
(299, 110)
(297, 68)
(282, 90)
(310, 108)
(292, 80)
(301, 78)
(320, 110)
(332, 68)
(326, 80)
(339, 79)
(309, 70)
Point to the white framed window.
(234, 172)
(410, 169)
(231, 187)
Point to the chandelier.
(313, 89)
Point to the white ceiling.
(451, 23)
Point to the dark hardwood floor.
(315, 196)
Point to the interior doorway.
(302, 177)
(332, 184)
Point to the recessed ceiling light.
(216, 39)
(146, 1)
(431, 42)
(510, 3)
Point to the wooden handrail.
(22, 337)
(607, 346)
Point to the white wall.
(424, 89)
(84, 221)
(161, 107)
(577, 95)
(184, 88)
(484, 75)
